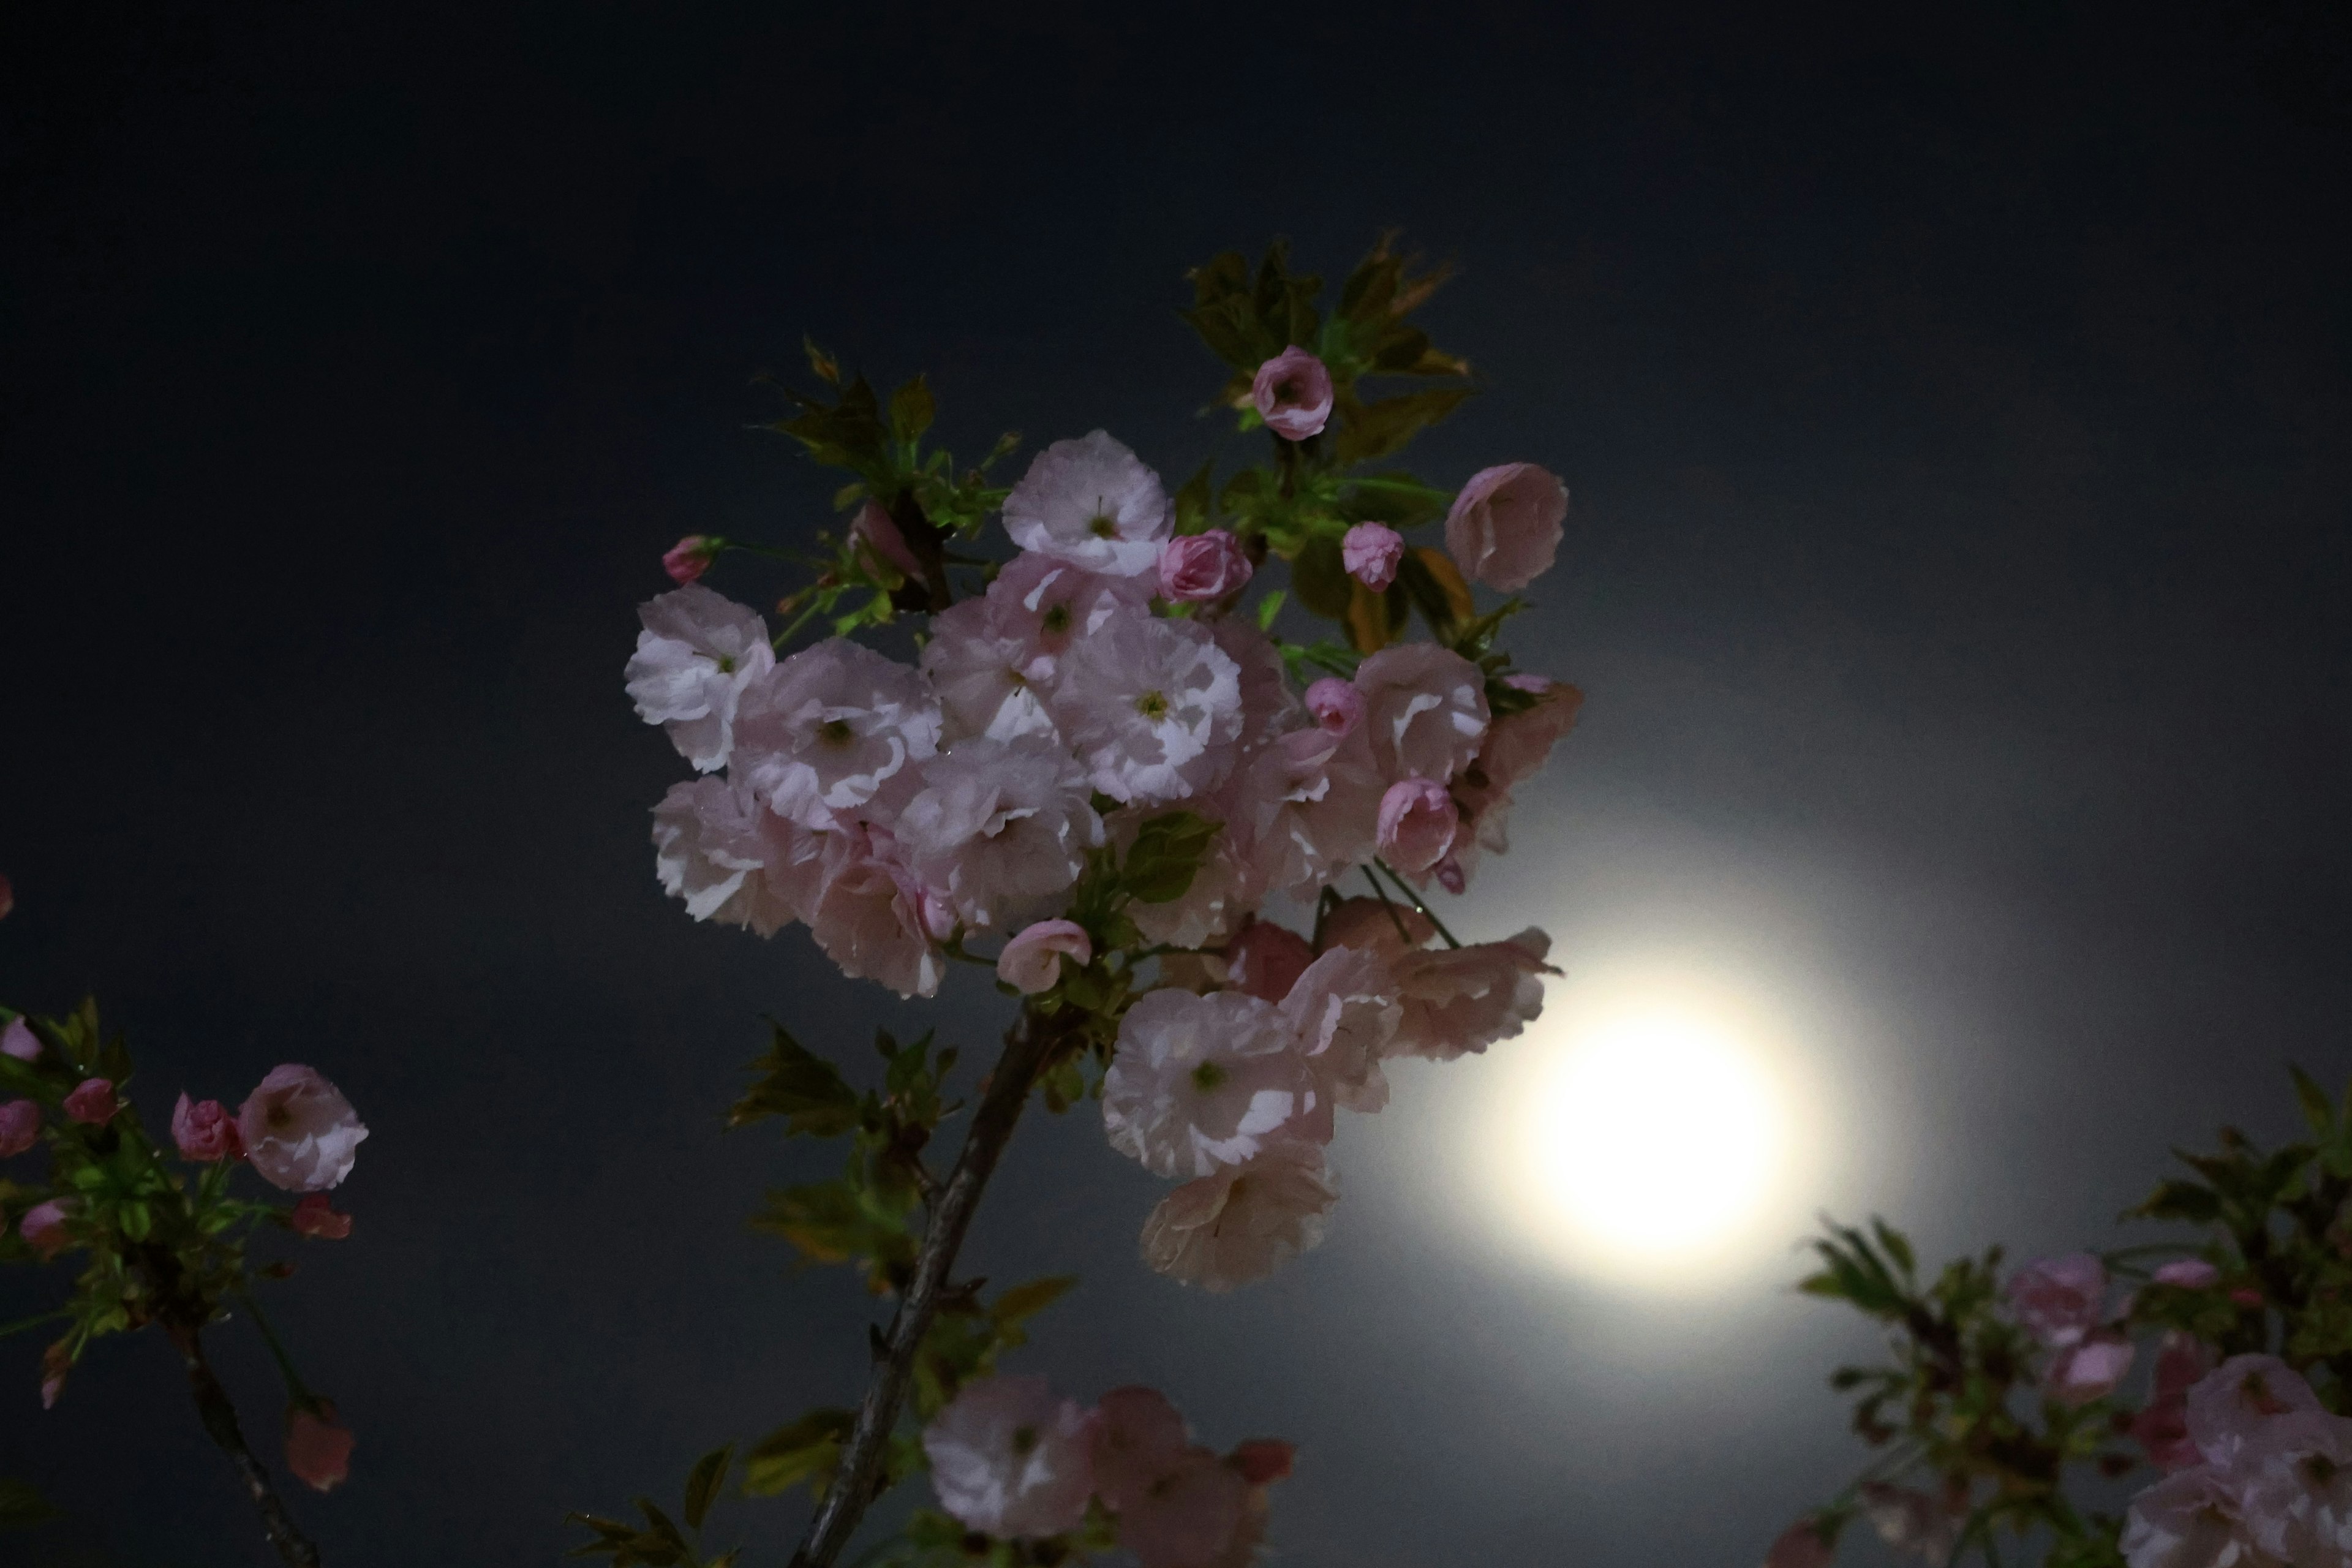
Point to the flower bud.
(1417, 823)
(318, 1447)
(92, 1101)
(20, 1127)
(1032, 961)
(1370, 551)
(1199, 568)
(19, 1041)
(877, 534)
(44, 1228)
(689, 558)
(206, 1132)
(314, 1217)
(1293, 393)
(1337, 705)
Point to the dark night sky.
(1961, 435)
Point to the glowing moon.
(1647, 1135)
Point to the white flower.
(1091, 502)
(1203, 1081)
(1001, 827)
(2191, 1519)
(2298, 1490)
(1009, 1458)
(1268, 705)
(1154, 708)
(696, 653)
(732, 859)
(300, 1131)
(989, 681)
(825, 731)
(868, 916)
(1344, 1011)
(1424, 711)
(1243, 1223)
(1461, 1000)
(1311, 803)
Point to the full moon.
(1647, 1136)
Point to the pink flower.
(92, 1103)
(1264, 959)
(1093, 504)
(1010, 1457)
(298, 1130)
(1197, 568)
(1201, 1082)
(822, 734)
(1032, 961)
(2191, 1519)
(1263, 1461)
(1002, 828)
(1802, 1545)
(2090, 1370)
(314, 1217)
(1515, 748)
(2188, 1274)
(206, 1132)
(2298, 1490)
(318, 1447)
(19, 1041)
(1370, 551)
(1417, 825)
(1190, 1516)
(1140, 1438)
(2161, 1428)
(1293, 393)
(2230, 1410)
(20, 1127)
(1425, 710)
(1459, 1001)
(877, 533)
(1504, 527)
(1912, 1521)
(2060, 1299)
(688, 559)
(44, 1228)
(1337, 705)
(1344, 1011)
(1243, 1223)
(698, 654)
(869, 918)
(1153, 707)
(1385, 928)
(732, 859)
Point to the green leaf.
(1192, 500)
(833, 1221)
(802, 1088)
(1167, 854)
(1372, 430)
(702, 1485)
(1895, 1245)
(1319, 575)
(2177, 1200)
(1023, 1302)
(807, 1450)
(910, 410)
(1267, 608)
(2318, 1107)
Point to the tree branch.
(220, 1423)
(1026, 1047)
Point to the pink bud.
(19, 1041)
(318, 1447)
(1197, 568)
(1337, 705)
(1370, 551)
(1032, 961)
(2188, 1274)
(20, 1127)
(92, 1101)
(314, 1217)
(688, 559)
(206, 1132)
(1451, 876)
(1264, 959)
(56, 1362)
(1417, 822)
(1263, 1460)
(1293, 393)
(44, 1228)
(879, 532)
(939, 915)
(7, 898)
(1802, 1545)
(2090, 1370)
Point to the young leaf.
(702, 1485)
(807, 1450)
(802, 1088)
(2318, 1107)
(1024, 1302)
(910, 410)
(1167, 854)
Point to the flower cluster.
(2271, 1481)
(1011, 1459)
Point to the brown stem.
(220, 1422)
(1026, 1046)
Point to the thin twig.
(1420, 908)
(219, 1417)
(1026, 1046)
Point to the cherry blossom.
(20, 1127)
(1001, 827)
(696, 656)
(1153, 707)
(688, 559)
(315, 1216)
(1269, 709)
(1417, 822)
(732, 859)
(1201, 1083)
(205, 1131)
(1242, 1223)
(1264, 959)
(19, 1040)
(2060, 1299)
(1189, 1516)
(1424, 711)
(877, 537)
(822, 733)
(92, 1103)
(1091, 502)
(2234, 1407)
(1010, 1457)
(1032, 961)
(43, 1228)
(1343, 1009)
(991, 678)
(2161, 1427)
(1337, 706)
(2187, 1274)
(318, 1447)
(2090, 1370)
(1292, 393)
(1201, 568)
(298, 1130)
(1505, 525)
(2192, 1520)
(1370, 551)
(1139, 1437)
(1459, 1001)
(2298, 1490)
(1911, 1521)
(868, 915)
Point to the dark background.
(1958, 413)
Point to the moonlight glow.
(1646, 1136)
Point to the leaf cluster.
(659, 1542)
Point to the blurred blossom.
(1506, 525)
(92, 1103)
